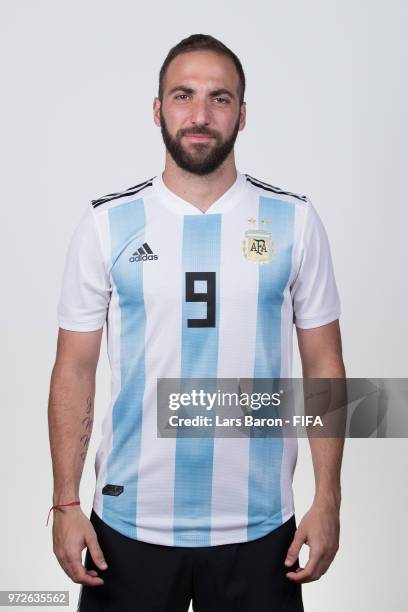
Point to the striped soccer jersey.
(135, 260)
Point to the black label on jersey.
(111, 489)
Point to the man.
(199, 272)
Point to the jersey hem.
(259, 531)
(75, 326)
(308, 323)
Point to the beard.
(206, 157)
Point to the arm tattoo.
(87, 428)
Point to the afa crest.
(258, 245)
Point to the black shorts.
(143, 577)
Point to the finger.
(79, 574)
(67, 569)
(323, 565)
(309, 572)
(71, 562)
(96, 551)
(294, 548)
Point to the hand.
(320, 530)
(72, 531)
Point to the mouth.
(198, 137)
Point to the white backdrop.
(326, 116)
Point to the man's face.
(200, 114)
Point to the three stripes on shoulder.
(122, 194)
(273, 189)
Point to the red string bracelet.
(74, 503)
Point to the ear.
(156, 111)
(242, 116)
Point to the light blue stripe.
(199, 359)
(127, 227)
(264, 493)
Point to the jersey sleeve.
(314, 292)
(85, 289)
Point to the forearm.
(327, 453)
(70, 420)
(327, 457)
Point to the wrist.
(328, 499)
(63, 506)
(64, 498)
(66, 509)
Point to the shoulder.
(121, 197)
(273, 192)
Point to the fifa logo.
(257, 244)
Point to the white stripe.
(290, 445)
(231, 455)
(162, 295)
(289, 457)
(113, 337)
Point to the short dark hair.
(202, 42)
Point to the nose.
(200, 112)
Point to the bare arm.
(321, 355)
(70, 420)
(70, 409)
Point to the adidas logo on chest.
(143, 253)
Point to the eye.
(179, 96)
(223, 100)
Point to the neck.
(201, 191)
